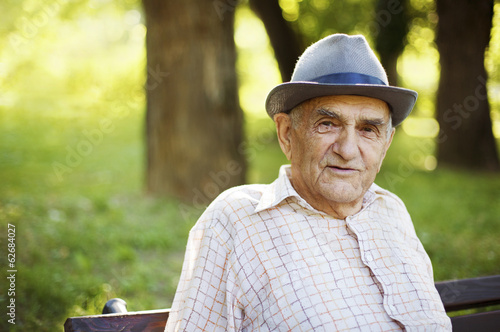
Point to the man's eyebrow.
(367, 121)
(374, 122)
(322, 111)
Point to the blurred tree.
(294, 24)
(390, 30)
(194, 121)
(466, 139)
(283, 38)
(316, 19)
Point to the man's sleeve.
(200, 300)
(407, 227)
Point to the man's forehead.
(340, 102)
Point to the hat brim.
(286, 96)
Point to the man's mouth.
(341, 169)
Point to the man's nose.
(346, 144)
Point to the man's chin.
(342, 192)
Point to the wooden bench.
(456, 295)
(470, 294)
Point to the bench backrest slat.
(484, 321)
(469, 293)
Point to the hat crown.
(338, 54)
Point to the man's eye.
(325, 126)
(369, 130)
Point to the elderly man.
(322, 248)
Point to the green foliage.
(90, 234)
(315, 19)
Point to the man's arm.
(200, 301)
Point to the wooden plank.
(481, 322)
(141, 321)
(469, 293)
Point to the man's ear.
(284, 131)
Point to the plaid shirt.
(261, 258)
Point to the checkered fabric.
(261, 258)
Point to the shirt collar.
(277, 191)
(282, 188)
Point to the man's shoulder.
(393, 209)
(239, 197)
(230, 208)
(386, 194)
(391, 203)
(243, 192)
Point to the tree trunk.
(390, 29)
(283, 38)
(194, 121)
(466, 139)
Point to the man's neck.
(337, 210)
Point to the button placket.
(368, 259)
(364, 247)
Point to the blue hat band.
(348, 78)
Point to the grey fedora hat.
(340, 65)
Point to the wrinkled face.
(336, 145)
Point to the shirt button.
(392, 309)
(368, 257)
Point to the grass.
(86, 233)
(455, 213)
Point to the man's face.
(336, 149)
